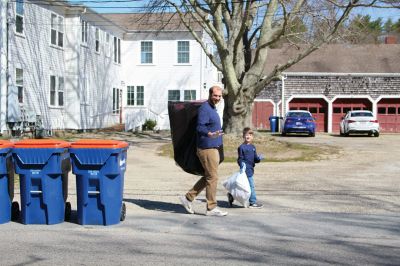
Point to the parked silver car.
(359, 121)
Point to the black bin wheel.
(15, 211)
(67, 216)
(123, 212)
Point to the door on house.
(389, 115)
(342, 106)
(262, 110)
(316, 106)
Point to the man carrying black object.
(209, 139)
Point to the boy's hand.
(242, 168)
(261, 157)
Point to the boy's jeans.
(253, 197)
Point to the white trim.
(387, 97)
(361, 96)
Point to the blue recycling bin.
(43, 166)
(99, 166)
(274, 123)
(9, 210)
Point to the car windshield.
(361, 114)
(298, 114)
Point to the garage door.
(342, 106)
(317, 107)
(261, 113)
(389, 115)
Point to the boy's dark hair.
(247, 130)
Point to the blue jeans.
(253, 197)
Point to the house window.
(174, 95)
(56, 91)
(97, 40)
(84, 31)
(57, 30)
(189, 95)
(60, 91)
(19, 82)
(130, 95)
(19, 16)
(139, 93)
(146, 52)
(107, 45)
(117, 50)
(183, 52)
(116, 100)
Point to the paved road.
(339, 211)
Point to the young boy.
(247, 156)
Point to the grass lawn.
(274, 150)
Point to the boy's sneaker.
(216, 212)
(230, 199)
(186, 204)
(255, 205)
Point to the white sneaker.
(186, 204)
(216, 212)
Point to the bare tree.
(243, 31)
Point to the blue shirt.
(208, 121)
(247, 153)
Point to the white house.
(75, 69)
(162, 62)
(61, 67)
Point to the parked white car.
(358, 122)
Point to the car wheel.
(376, 134)
(312, 134)
(283, 133)
(346, 134)
(341, 133)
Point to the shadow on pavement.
(157, 205)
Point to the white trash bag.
(238, 186)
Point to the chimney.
(390, 39)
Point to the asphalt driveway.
(344, 210)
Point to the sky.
(134, 6)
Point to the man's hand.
(215, 134)
(261, 157)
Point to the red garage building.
(332, 81)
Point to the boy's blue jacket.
(247, 153)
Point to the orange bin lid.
(6, 144)
(98, 144)
(41, 143)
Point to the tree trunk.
(234, 122)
